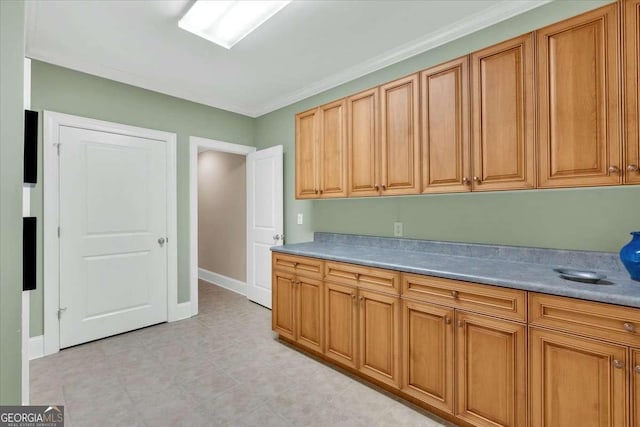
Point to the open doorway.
(236, 215)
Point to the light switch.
(299, 219)
(398, 229)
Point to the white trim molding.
(36, 347)
(196, 146)
(226, 282)
(183, 311)
(51, 288)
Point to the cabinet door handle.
(465, 181)
(460, 323)
(357, 276)
(618, 364)
(316, 191)
(454, 294)
(633, 168)
(637, 369)
(477, 180)
(321, 191)
(353, 297)
(384, 187)
(377, 187)
(614, 169)
(629, 327)
(447, 320)
(361, 299)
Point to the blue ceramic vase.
(630, 256)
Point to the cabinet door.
(631, 40)
(504, 116)
(283, 304)
(379, 336)
(578, 77)
(340, 323)
(307, 185)
(575, 381)
(445, 127)
(309, 313)
(428, 354)
(635, 388)
(333, 150)
(363, 140)
(491, 371)
(399, 137)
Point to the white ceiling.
(308, 47)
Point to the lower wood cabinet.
(576, 381)
(491, 371)
(362, 331)
(297, 309)
(635, 388)
(487, 370)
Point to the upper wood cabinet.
(400, 137)
(576, 381)
(364, 144)
(321, 152)
(578, 98)
(631, 58)
(307, 154)
(502, 87)
(444, 126)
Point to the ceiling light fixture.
(227, 22)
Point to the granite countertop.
(529, 269)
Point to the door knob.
(161, 241)
(277, 237)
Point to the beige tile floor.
(221, 368)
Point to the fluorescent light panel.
(227, 22)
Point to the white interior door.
(113, 213)
(265, 220)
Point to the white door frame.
(195, 143)
(52, 123)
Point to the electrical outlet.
(398, 229)
(299, 219)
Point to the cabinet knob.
(454, 294)
(465, 181)
(361, 298)
(637, 369)
(614, 169)
(447, 320)
(353, 297)
(321, 191)
(377, 187)
(618, 364)
(477, 180)
(357, 276)
(460, 323)
(629, 327)
(316, 191)
(384, 187)
(633, 168)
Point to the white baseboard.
(36, 347)
(183, 311)
(223, 281)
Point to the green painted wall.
(62, 90)
(11, 136)
(596, 219)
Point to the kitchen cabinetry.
(364, 144)
(490, 353)
(321, 152)
(631, 64)
(503, 116)
(635, 388)
(445, 127)
(298, 301)
(399, 137)
(363, 325)
(578, 99)
(576, 381)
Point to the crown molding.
(500, 12)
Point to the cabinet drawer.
(492, 300)
(598, 320)
(374, 279)
(304, 266)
